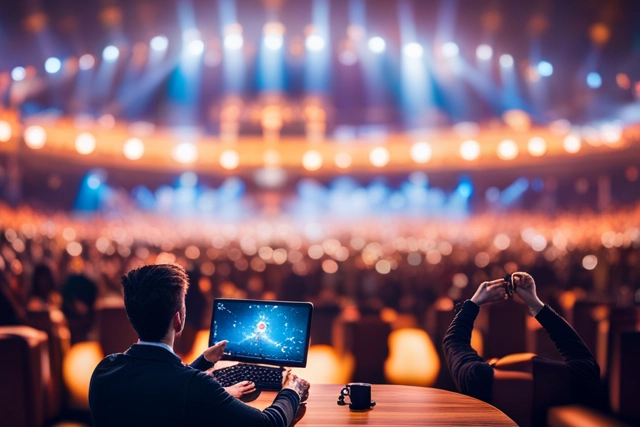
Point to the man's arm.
(583, 368)
(208, 404)
(471, 374)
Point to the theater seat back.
(24, 375)
(114, 330)
(542, 383)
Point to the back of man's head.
(153, 294)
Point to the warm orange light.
(5, 131)
(413, 359)
(133, 149)
(77, 369)
(470, 150)
(85, 143)
(312, 160)
(229, 159)
(35, 137)
(325, 366)
(572, 144)
(342, 160)
(537, 146)
(507, 150)
(379, 157)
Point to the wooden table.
(396, 405)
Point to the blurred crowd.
(406, 265)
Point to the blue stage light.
(93, 182)
(506, 61)
(273, 41)
(196, 47)
(377, 44)
(52, 65)
(314, 43)
(159, 43)
(18, 74)
(545, 68)
(110, 53)
(450, 50)
(594, 80)
(484, 52)
(188, 179)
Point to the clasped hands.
(500, 289)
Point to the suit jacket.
(150, 386)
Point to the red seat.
(54, 324)
(115, 333)
(24, 373)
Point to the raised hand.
(214, 353)
(526, 289)
(489, 292)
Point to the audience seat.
(505, 320)
(24, 370)
(366, 338)
(54, 324)
(545, 383)
(115, 333)
(580, 416)
(628, 402)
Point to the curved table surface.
(396, 405)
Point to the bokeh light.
(35, 137)
(470, 150)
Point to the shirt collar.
(157, 344)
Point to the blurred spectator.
(78, 298)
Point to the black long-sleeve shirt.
(148, 385)
(474, 377)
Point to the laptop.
(262, 332)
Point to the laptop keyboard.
(264, 377)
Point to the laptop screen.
(267, 332)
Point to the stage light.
(93, 181)
(594, 81)
(159, 43)
(133, 149)
(589, 262)
(421, 152)
(229, 159)
(571, 144)
(312, 160)
(470, 150)
(314, 43)
(413, 50)
(85, 143)
(86, 62)
(52, 65)
(273, 41)
(537, 146)
(35, 137)
(271, 157)
(450, 50)
(377, 44)
(379, 157)
(611, 132)
(18, 74)
(484, 52)
(623, 81)
(342, 160)
(545, 68)
(507, 150)
(502, 242)
(506, 61)
(233, 41)
(110, 53)
(188, 179)
(185, 153)
(196, 47)
(5, 131)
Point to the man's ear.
(177, 321)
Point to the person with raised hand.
(474, 377)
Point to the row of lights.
(420, 152)
(273, 40)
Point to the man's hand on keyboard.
(295, 383)
(240, 389)
(214, 353)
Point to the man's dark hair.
(152, 296)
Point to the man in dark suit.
(149, 384)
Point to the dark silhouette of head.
(153, 294)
